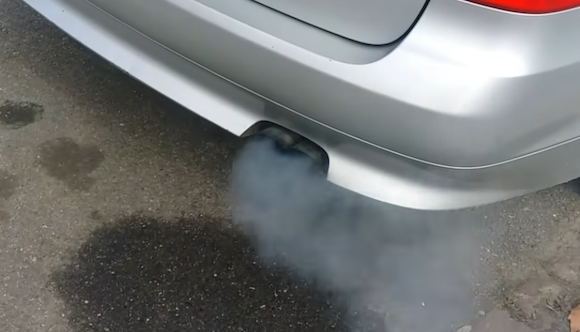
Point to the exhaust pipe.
(288, 141)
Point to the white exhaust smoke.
(414, 268)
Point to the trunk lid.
(375, 22)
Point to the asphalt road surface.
(115, 216)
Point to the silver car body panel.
(472, 106)
(374, 22)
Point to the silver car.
(433, 105)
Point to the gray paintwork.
(474, 105)
(373, 22)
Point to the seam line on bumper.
(402, 155)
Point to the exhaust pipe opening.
(289, 142)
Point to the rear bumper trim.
(354, 164)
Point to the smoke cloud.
(413, 268)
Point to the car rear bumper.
(465, 150)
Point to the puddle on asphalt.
(141, 274)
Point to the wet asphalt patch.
(8, 184)
(16, 115)
(142, 274)
(70, 162)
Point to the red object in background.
(530, 6)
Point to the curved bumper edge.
(354, 165)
